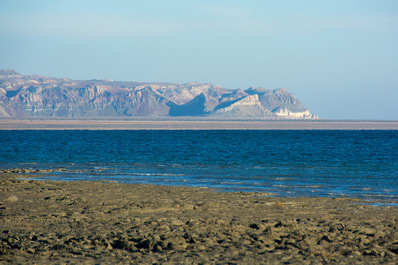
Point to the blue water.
(286, 163)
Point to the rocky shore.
(48, 222)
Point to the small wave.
(157, 174)
(232, 183)
(380, 204)
(283, 178)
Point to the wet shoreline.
(276, 187)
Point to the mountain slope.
(39, 96)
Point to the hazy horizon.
(339, 58)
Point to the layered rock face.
(38, 96)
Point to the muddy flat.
(73, 124)
(50, 222)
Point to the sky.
(338, 57)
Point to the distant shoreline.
(192, 124)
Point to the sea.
(286, 163)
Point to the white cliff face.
(248, 106)
(38, 96)
(286, 113)
(246, 101)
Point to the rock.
(369, 252)
(367, 231)
(177, 243)
(324, 239)
(227, 229)
(254, 226)
(394, 249)
(145, 244)
(177, 222)
(209, 242)
(30, 250)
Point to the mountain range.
(23, 96)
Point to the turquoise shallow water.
(287, 163)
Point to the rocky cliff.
(39, 96)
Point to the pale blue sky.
(340, 58)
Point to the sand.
(49, 222)
(203, 124)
